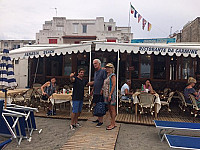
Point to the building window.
(145, 66)
(109, 28)
(54, 65)
(59, 28)
(159, 71)
(187, 67)
(6, 44)
(84, 28)
(75, 28)
(76, 42)
(83, 62)
(134, 68)
(111, 40)
(52, 41)
(67, 65)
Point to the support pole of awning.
(118, 58)
(90, 67)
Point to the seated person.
(190, 90)
(148, 87)
(125, 90)
(47, 90)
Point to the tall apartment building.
(13, 44)
(71, 31)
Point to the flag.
(149, 26)
(135, 14)
(132, 9)
(143, 23)
(139, 18)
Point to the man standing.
(77, 96)
(99, 77)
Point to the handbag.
(99, 109)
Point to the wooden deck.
(147, 119)
(90, 137)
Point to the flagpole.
(129, 20)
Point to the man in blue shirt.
(99, 77)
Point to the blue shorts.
(77, 106)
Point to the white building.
(14, 44)
(71, 31)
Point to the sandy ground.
(56, 132)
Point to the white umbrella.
(7, 78)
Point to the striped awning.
(185, 50)
(41, 50)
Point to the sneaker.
(99, 124)
(96, 121)
(78, 125)
(72, 127)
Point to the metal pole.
(36, 70)
(118, 58)
(90, 67)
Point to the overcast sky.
(21, 19)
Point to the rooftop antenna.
(55, 10)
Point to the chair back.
(171, 94)
(194, 102)
(35, 85)
(146, 99)
(182, 98)
(166, 91)
(1, 107)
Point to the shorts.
(97, 98)
(77, 106)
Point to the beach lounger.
(29, 118)
(12, 124)
(5, 143)
(183, 142)
(166, 126)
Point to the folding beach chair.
(29, 118)
(166, 126)
(12, 124)
(183, 142)
(5, 143)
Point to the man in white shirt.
(125, 90)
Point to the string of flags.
(139, 17)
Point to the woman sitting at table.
(47, 90)
(148, 87)
(190, 90)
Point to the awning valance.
(47, 50)
(163, 49)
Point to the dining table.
(56, 98)
(157, 102)
(11, 94)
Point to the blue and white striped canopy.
(7, 78)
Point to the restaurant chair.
(146, 100)
(167, 101)
(87, 100)
(183, 105)
(126, 104)
(166, 92)
(195, 106)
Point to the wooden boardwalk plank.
(90, 137)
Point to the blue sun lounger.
(166, 126)
(12, 124)
(5, 143)
(183, 142)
